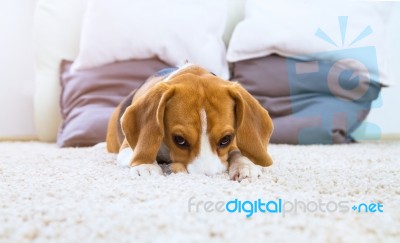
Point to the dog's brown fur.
(161, 109)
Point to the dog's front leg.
(240, 167)
(178, 168)
(144, 169)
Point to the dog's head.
(201, 119)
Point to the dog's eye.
(180, 141)
(225, 141)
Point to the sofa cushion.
(355, 32)
(174, 31)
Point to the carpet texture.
(49, 194)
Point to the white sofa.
(57, 27)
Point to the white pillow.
(174, 30)
(289, 28)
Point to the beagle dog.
(194, 120)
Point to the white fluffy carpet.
(80, 195)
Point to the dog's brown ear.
(254, 126)
(143, 126)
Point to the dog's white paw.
(146, 170)
(124, 158)
(242, 168)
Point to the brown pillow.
(305, 106)
(88, 97)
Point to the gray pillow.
(88, 97)
(305, 105)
